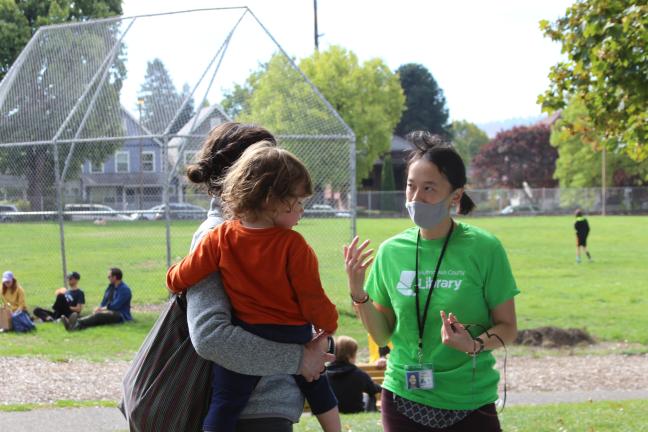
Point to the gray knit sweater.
(217, 340)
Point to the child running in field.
(582, 231)
(269, 273)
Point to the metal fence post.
(59, 210)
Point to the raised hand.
(356, 261)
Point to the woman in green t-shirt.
(442, 293)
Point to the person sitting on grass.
(349, 382)
(67, 301)
(114, 308)
(12, 293)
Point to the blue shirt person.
(114, 307)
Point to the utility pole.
(316, 31)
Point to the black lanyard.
(421, 324)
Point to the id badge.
(419, 377)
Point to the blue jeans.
(231, 390)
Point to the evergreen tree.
(425, 104)
(187, 111)
(162, 100)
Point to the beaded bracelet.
(359, 302)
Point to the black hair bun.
(196, 174)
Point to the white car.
(178, 211)
(80, 212)
(326, 210)
(5, 212)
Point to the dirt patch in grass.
(554, 337)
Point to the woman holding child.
(442, 293)
(276, 401)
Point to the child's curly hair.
(262, 176)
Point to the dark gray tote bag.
(168, 385)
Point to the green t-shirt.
(474, 278)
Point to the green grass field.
(623, 416)
(606, 297)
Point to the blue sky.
(489, 57)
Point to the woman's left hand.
(455, 335)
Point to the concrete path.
(64, 419)
(110, 419)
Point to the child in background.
(269, 273)
(349, 382)
(582, 231)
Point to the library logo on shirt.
(450, 280)
(404, 285)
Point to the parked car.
(519, 209)
(79, 212)
(178, 211)
(325, 210)
(5, 212)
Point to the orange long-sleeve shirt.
(271, 275)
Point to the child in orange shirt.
(269, 273)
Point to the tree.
(51, 83)
(579, 153)
(236, 102)
(424, 100)
(277, 97)
(368, 97)
(19, 20)
(387, 184)
(467, 139)
(605, 44)
(162, 100)
(14, 33)
(517, 155)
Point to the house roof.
(204, 114)
(399, 145)
(197, 125)
(143, 129)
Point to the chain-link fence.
(543, 201)
(98, 120)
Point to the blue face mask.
(426, 215)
